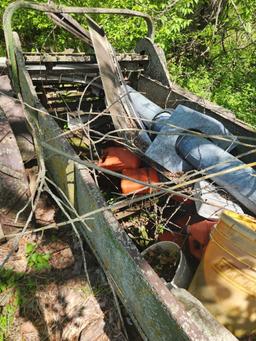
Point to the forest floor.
(53, 300)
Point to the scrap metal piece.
(157, 68)
(49, 8)
(71, 25)
(124, 117)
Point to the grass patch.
(7, 318)
(21, 289)
(37, 260)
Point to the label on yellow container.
(235, 277)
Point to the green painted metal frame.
(154, 309)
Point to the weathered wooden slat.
(70, 97)
(62, 57)
(15, 114)
(59, 79)
(72, 106)
(62, 69)
(14, 188)
(77, 70)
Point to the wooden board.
(14, 188)
(14, 112)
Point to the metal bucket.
(182, 276)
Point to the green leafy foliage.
(36, 260)
(7, 319)
(20, 289)
(210, 45)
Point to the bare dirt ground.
(58, 303)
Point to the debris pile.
(180, 140)
(170, 167)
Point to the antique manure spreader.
(80, 105)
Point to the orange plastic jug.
(199, 236)
(147, 175)
(118, 158)
(225, 281)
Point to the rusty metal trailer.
(159, 313)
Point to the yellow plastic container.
(225, 281)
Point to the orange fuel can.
(147, 175)
(118, 158)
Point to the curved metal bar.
(7, 24)
(82, 10)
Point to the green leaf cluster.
(20, 289)
(36, 260)
(7, 319)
